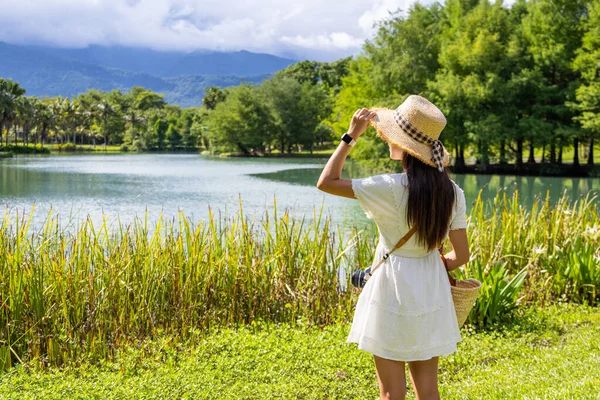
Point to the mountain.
(168, 63)
(181, 77)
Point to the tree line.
(284, 113)
(509, 80)
(139, 119)
(512, 82)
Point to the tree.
(160, 129)
(213, 95)
(44, 120)
(10, 91)
(299, 108)
(106, 111)
(587, 98)
(471, 83)
(404, 53)
(173, 136)
(25, 114)
(554, 31)
(284, 95)
(303, 72)
(242, 122)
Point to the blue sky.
(314, 29)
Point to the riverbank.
(531, 169)
(565, 169)
(552, 352)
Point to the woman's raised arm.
(330, 181)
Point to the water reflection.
(126, 186)
(529, 187)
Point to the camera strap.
(401, 243)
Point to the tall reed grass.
(72, 294)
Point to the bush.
(67, 147)
(21, 149)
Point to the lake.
(126, 186)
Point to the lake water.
(127, 186)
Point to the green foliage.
(173, 137)
(160, 130)
(131, 282)
(587, 62)
(329, 75)
(548, 353)
(13, 149)
(562, 259)
(242, 122)
(298, 109)
(213, 96)
(404, 53)
(498, 293)
(507, 79)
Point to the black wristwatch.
(348, 139)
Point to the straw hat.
(415, 127)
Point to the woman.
(405, 311)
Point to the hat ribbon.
(437, 148)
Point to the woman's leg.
(424, 378)
(391, 376)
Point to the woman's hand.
(360, 122)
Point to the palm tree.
(135, 117)
(65, 112)
(9, 92)
(85, 113)
(47, 121)
(25, 114)
(56, 112)
(105, 111)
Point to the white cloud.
(307, 28)
(336, 40)
(381, 10)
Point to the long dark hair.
(431, 197)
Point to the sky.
(323, 30)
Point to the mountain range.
(181, 77)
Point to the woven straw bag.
(464, 291)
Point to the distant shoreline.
(583, 170)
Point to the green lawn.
(568, 153)
(89, 147)
(552, 353)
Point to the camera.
(360, 277)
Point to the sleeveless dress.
(405, 310)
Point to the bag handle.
(401, 243)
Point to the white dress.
(405, 310)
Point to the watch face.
(347, 138)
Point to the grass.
(568, 153)
(550, 353)
(99, 148)
(84, 294)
